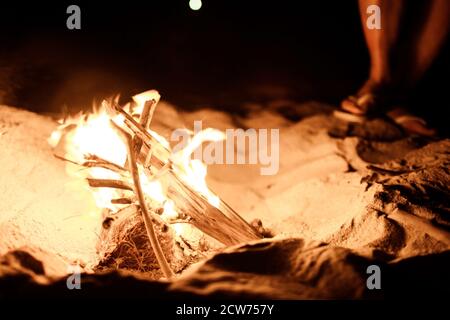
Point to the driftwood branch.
(144, 120)
(93, 159)
(121, 201)
(165, 268)
(147, 138)
(221, 223)
(65, 159)
(109, 183)
(108, 166)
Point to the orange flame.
(93, 134)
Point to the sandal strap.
(365, 99)
(408, 118)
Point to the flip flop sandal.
(363, 103)
(402, 118)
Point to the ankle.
(375, 86)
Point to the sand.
(339, 203)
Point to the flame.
(141, 98)
(93, 134)
(96, 136)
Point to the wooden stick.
(132, 121)
(146, 158)
(145, 120)
(147, 113)
(139, 130)
(121, 201)
(94, 157)
(102, 163)
(65, 159)
(229, 228)
(165, 268)
(109, 183)
(108, 166)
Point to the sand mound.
(289, 269)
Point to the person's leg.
(399, 61)
(381, 44)
(427, 40)
(427, 35)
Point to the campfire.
(149, 197)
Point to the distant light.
(195, 4)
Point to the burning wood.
(109, 183)
(144, 120)
(124, 156)
(143, 205)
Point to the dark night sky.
(228, 52)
